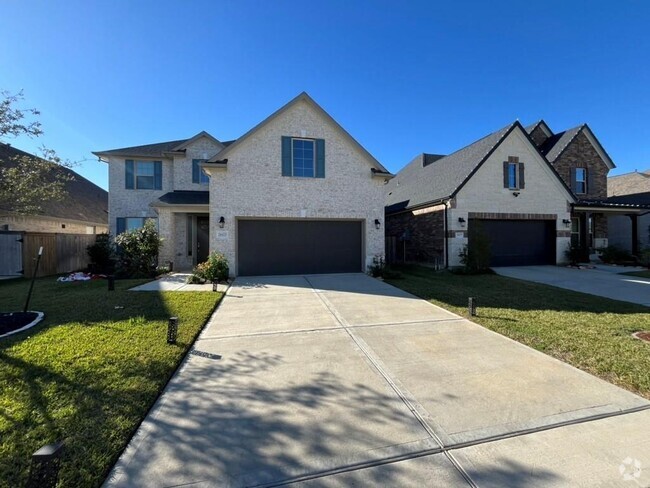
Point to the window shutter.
(505, 175)
(195, 171)
(522, 177)
(286, 156)
(320, 158)
(590, 182)
(128, 176)
(157, 175)
(573, 180)
(121, 226)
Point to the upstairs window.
(513, 174)
(581, 181)
(198, 175)
(303, 158)
(143, 175)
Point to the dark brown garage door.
(275, 247)
(516, 242)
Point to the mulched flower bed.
(643, 335)
(14, 321)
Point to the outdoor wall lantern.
(222, 222)
(515, 194)
(461, 221)
(377, 224)
(566, 222)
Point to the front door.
(202, 238)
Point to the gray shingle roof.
(417, 184)
(148, 150)
(85, 201)
(184, 197)
(555, 144)
(637, 182)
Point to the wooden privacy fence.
(62, 253)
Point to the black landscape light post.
(172, 330)
(46, 463)
(31, 286)
(471, 306)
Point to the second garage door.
(276, 247)
(516, 242)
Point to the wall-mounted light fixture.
(515, 194)
(461, 221)
(222, 222)
(566, 222)
(377, 224)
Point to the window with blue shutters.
(143, 175)
(198, 175)
(304, 158)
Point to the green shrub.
(476, 258)
(573, 254)
(644, 257)
(379, 269)
(215, 269)
(102, 254)
(137, 251)
(614, 255)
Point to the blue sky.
(401, 77)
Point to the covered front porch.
(184, 225)
(591, 229)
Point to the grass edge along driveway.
(89, 373)
(589, 332)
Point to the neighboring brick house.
(630, 230)
(531, 192)
(296, 194)
(84, 209)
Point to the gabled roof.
(628, 183)
(306, 98)
(542, 125)
(418, 184)
(85, 202)
(189, 141)
(557, 144)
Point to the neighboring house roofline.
(401, 206)
(151, 151)
(301, 97)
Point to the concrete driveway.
(342, 380)
(604, 281)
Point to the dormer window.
(581, 181)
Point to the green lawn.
(89, 372)
(589, 332)
(642, 274)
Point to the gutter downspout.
(446, 247)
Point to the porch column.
(635, 234)
(166, 231)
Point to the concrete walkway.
(342, 380)
(604, 281)
(176, 282)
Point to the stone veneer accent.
(426, 231)
(538, 136)
(581, 154)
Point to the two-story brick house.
(295, 194)
(531, 192)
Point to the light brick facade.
(253, 185)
